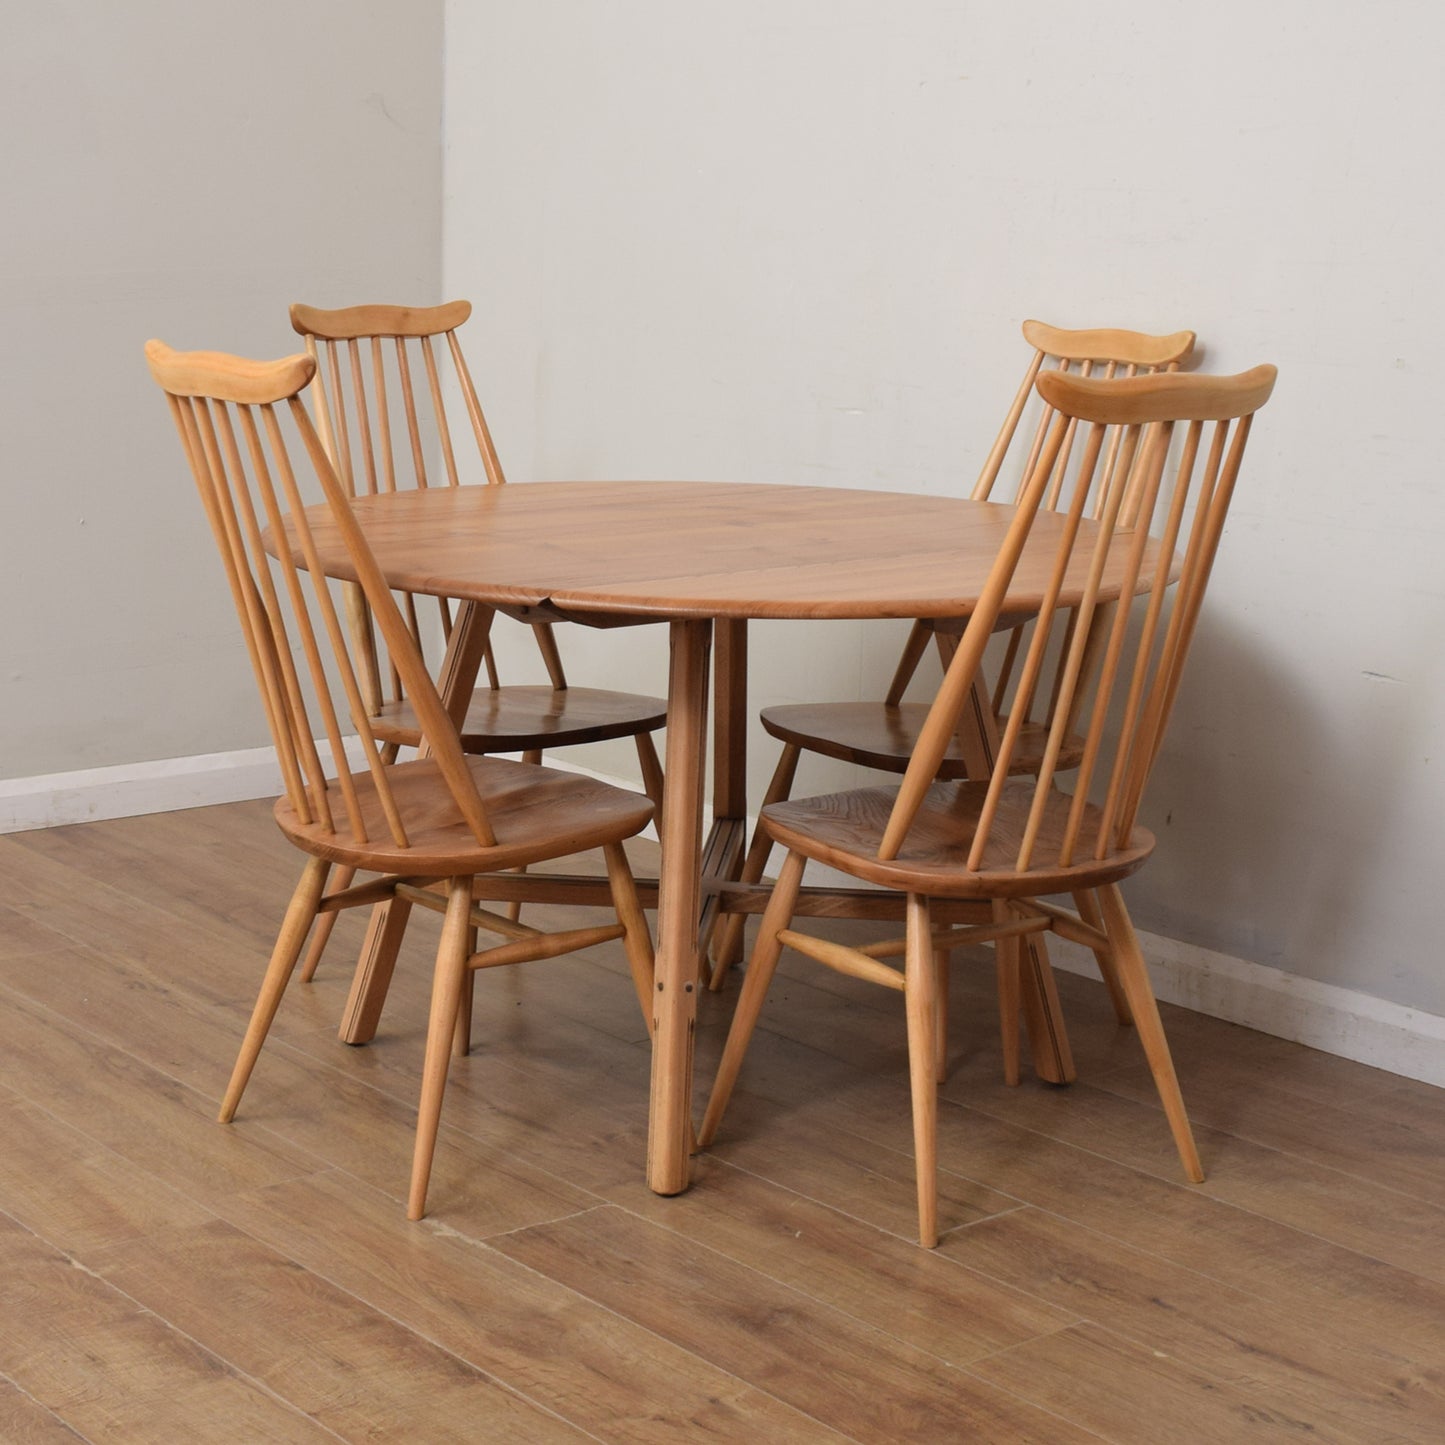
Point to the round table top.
(702, 549)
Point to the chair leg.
(1088, 907)
(637, 940)
(1043, 1016)
(514, 909)
(1134, 977)
(761, 966)
(294, 927)
(451, 970)
(729, 947)
(920, 994)
(325, 922)
(374, 968)
(1008, 956)
(462, 1033)
(940, 1061)
(652, 780)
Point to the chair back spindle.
(386, 378)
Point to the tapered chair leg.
(1088, 908)
(374, 968)
(637, 940)
(940, 1059)
(325, 922)
(462, 1032)
(652, 779)
(451, 970)
(1134, 977)
(514, 909)
(920, 994)
(299, 914)
(1008, 955)
(761, 966)
(729, 947)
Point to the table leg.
(723, 852)
(465, 649)
(679, 887)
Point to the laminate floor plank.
(223, 881)
(917, 1296)
(145, 1115)
(221, 960)
(351, 1368)
(21, 934)
(615, 1379)
(1365, 1215)
(845, 1374)
(1302, 1367)
(76, 1193)
(1371, 1139)
(25, 1421)
(115, 1371)
(1181, 1223)
(1135, 1394)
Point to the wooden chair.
(429, 826)
(883, 734)
(1011, 839)
(391, 382)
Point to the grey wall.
(792, 240)
(181, 170)
(773, 240)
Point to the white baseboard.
(133, 788)
(1324, 1016)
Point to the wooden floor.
(166, 1278)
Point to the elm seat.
(845, 831)
(883, 735)
(524, 717)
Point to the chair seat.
(877, 735)
(535, 813)
(516, 718)
(844, 831)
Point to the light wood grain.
(852, 1378)
(77, 1329)
(674, 549)
(225, 1290)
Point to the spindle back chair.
(1133, 480)
(395, 405)
(440, 820)
(882, 734)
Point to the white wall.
(792, 240)
(181, 170)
